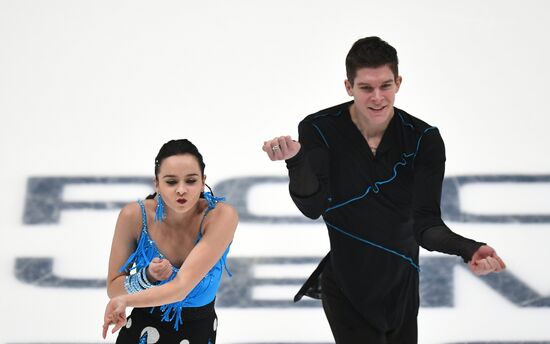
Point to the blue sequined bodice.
(203, 293)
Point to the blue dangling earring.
(160, 213)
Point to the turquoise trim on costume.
(409, 259)
(403, 121)
(319, 130)
(321, 133)
(375, 187)
(336, 114)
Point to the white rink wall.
(90, 90)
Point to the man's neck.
(368, 129)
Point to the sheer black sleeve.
(309, 172)
(430, 230)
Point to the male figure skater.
(374, 173)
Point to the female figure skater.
(168, 254)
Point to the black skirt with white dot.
(146, 327)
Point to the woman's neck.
(175, 220)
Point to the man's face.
(374, 92)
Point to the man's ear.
(349, 87)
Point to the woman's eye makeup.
(174, 182)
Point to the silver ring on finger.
(275, 148)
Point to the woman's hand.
(159, 270)
(115, 314)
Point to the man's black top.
(378, 208)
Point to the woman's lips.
(181, 200)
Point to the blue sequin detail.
(203, 293)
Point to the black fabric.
(348, 325)
(335, 165)
(312, 287)
(443, 238)
(199, 326)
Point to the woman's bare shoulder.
(225, 210)
(130, 217)
(223, 213)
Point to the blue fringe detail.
(160, 213)
(212, 200)
(172, 313)
(143, 255)
(147, 250)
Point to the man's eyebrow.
(367, 84)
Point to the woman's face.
(180, 182)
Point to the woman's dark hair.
(177, 147)
(370, 52)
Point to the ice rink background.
(91, 90)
